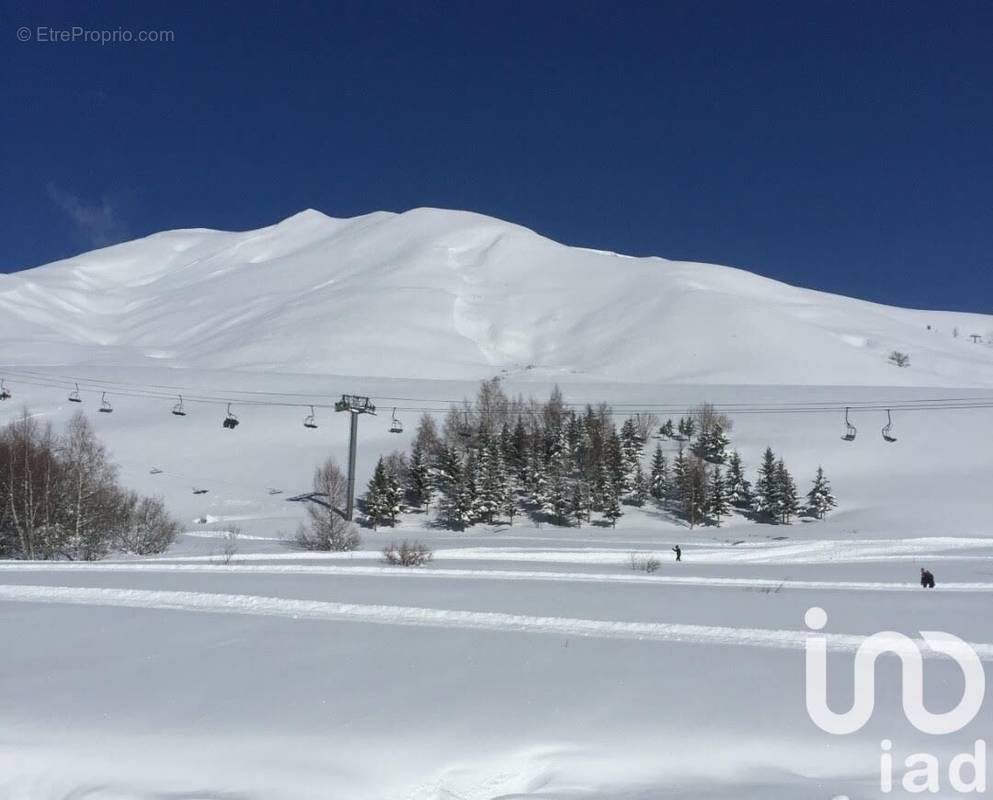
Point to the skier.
(678, 552)
(927, 579)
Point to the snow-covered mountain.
(450, 294)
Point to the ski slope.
(455, 295)
(523, 661)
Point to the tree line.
(496, 457)
(60, 497)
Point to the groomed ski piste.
(523, 661)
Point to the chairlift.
(4, 394)
(396, 426)
(310, 421)
(850, 430)
(154, 471)
(105, 406)
(230, 420)
(178, 409)
(200, 491)
(888, 427)
(275, 491)
(74, 395)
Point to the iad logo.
(913, 680)
(925, 776)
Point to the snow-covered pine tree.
(449, 466)
(396, 468)
(559, 498)
(509, 509)
(520, 447)
(767, 488)
(677, 484)
(694, 490)
(491, 484)
(820, 500)
(614, 458)
(580, 504)
(639, 487)
(667, 429)
(681, 429)
(420, 487)
(658, 484)
(716, 451)
(603, 484)
(718, 504)
(789, 500)
(457, 500)
(739, 490)
(377, 500)
(537, 484)
(631, 447)
(612, 505)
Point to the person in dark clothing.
(678, 552)
(927, 579)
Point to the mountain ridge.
(454, 294)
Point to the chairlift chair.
(888, 427)
(154, 471)
(74, 395)
(310, 421)
(850, 430)
(105, 406)
(230, 420)
(4, 394)
(275, 491)
(178, 409)
(396, 426)
(200, 491)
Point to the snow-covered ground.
(522, 661)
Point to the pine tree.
(612, 505)
(667, 430)
(377, 499)
(559, 498)
(716, 444)
(639, 487)
(718, 504)
(693, 490)
(789, 501)
(739, 490)
(537, 484)
(677, 485)
(767, 489)
(819, 498)
(580, 505)
(420, 488)
(658, 485)
(509, 503)
(393, 496)
(519, 448)
(450, 467)
(614, 458)
(681, 429)
(491, 484)
(631, 447)
(603, 485)
(457, 500)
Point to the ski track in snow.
(491, 574)
(253, 605)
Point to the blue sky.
(846, 146)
